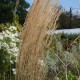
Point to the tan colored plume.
(32, 64)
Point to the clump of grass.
(42, 17)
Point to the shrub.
(9, 42)
(64, 63)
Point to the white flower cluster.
(9, 41)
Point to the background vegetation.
(7, 9)
(10, 26)
(64, 55)
(69, 20)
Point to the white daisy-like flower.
(14, 50)
(5, 45)
(14, 71)
(12, 28)
(13, 40)
(12, 44)
(7, 32)
(1, 36)
(16, 34)
(17, 40)
(11, 62)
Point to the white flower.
(12, 28)
(16, 54)
(12, 35)
(11, 62)
(12, 44)
(9, 51)
(3, 32)
(13, 39)
(17, 40)
(7, 32)
(1, 36)
(16, 34)
(10, 47)
(5, 45)
(15, 50)
(14, 71)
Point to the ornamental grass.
(32, 64)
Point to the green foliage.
(64, 57)
(5, 26)
(7, 9)
(71, 76)
(68, 20)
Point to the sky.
(70, 3)
(66, 4)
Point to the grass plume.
(32, 64)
